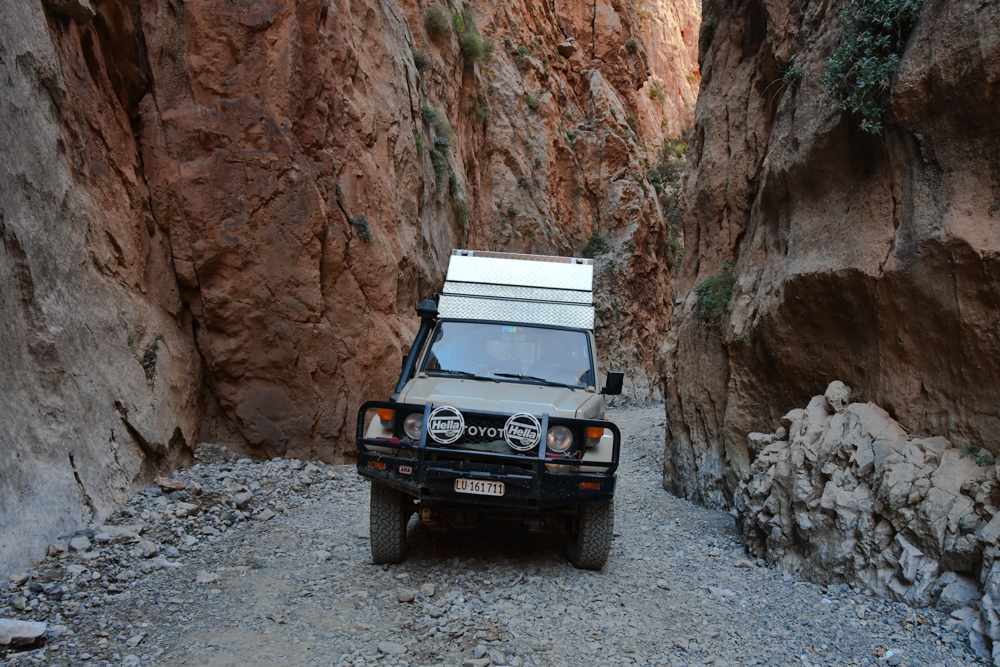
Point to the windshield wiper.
(465, 374)
(549, 383)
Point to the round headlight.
(560, 439)
(413, 424)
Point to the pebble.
(427, 590)
(168, 484)
(204, 577)
(80, 543)
(391, 648)
(20, 633)
(405, 595)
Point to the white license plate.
(479, 487)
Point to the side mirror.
(613, 383)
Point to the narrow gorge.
(217, 219)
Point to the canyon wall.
(870, 258)
(314, 163)
(218, 217)
(100, 380)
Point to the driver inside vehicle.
(559, 362)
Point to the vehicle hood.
(489, 396)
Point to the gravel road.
(285, 578)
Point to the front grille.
(481, 429)
(484, 433)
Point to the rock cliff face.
(218, 217)
(100, 380)
(314, 163)
(869, 258)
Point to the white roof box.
(522, 289)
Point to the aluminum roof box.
(524, 289)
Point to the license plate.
(479, 487)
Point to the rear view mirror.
(613, 383)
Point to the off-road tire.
(589, 546)
(387, 524)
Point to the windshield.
(504, 352)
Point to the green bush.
(470, 42)
(436, 121)
(418, 139)
(361, 227)
(596, 246)
(421, 61)
(706, 33)
(436, 22)
(676, 147)
(440, 167)
(860, 70)
(442, 143)
(455, 190)
(675, 251)
(653, 176)
(532, 103)
(714, 294)
(632, 45)
(149, 359)
(656, 93)
(792, 73)
(979, 457)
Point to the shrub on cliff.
(436, 22)
(361, 227)
(436, 121)
(596, 246)
(421, 61)
(714, 294)
(706, 34)
(469, 40)
(861, 69)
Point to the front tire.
(387, 524)
(589, 546)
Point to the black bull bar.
(533, 480)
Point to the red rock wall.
(270, 127)
(235, 150)
(871, 259)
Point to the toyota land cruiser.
(498, 413)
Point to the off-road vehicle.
(498, 413)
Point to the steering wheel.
(485, 372)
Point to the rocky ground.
(267, 564)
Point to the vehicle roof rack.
(512, 287)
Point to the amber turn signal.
(594, 432)
(378, 465)
(386, 414)
(590, 486)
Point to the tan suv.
(498, 413)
